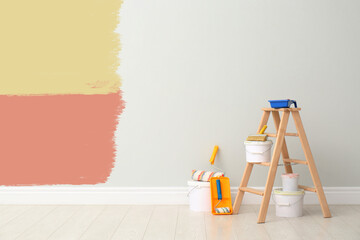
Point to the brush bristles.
(262, 138)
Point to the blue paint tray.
(286, 103)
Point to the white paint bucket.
(199, 196)
(289, 204)
(290, 182)
(258, 151)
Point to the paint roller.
(219, 194)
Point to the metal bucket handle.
(197, 186)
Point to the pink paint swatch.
(59, 139)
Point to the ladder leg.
(248, 169)
(284, 150)
(313, 171)
(273, 167)
(264, 120)
(244, 182)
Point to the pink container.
(290, 182)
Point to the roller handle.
(212, 159)
(218, 186)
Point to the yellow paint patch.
(58, 47)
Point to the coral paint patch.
(59, 139)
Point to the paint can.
(199, 196)
(288, 204)
(290, 181)
(258, 151)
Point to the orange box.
(226, 195)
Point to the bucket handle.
(197, 186)
(285, 204)
(259, 152)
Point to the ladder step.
(281, 109)
(262, 163)
(292, 134)
(295, 161)
(252, 190)
(286, 134)
(306, 188)
(268, 164)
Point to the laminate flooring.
(120, 222)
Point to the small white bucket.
(258, 151)
(289, 204)
(290, 182)
(199, 196)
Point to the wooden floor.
(170, 222)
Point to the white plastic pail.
(290, 182)
(258, 151)
(199, 196)
(288, 204)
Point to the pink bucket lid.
(290, 175)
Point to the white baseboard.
(146, 196)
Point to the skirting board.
(146, 196)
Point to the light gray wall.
(197, 72)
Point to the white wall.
(196, 73)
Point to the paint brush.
(258, 137)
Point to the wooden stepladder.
(281, 149)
